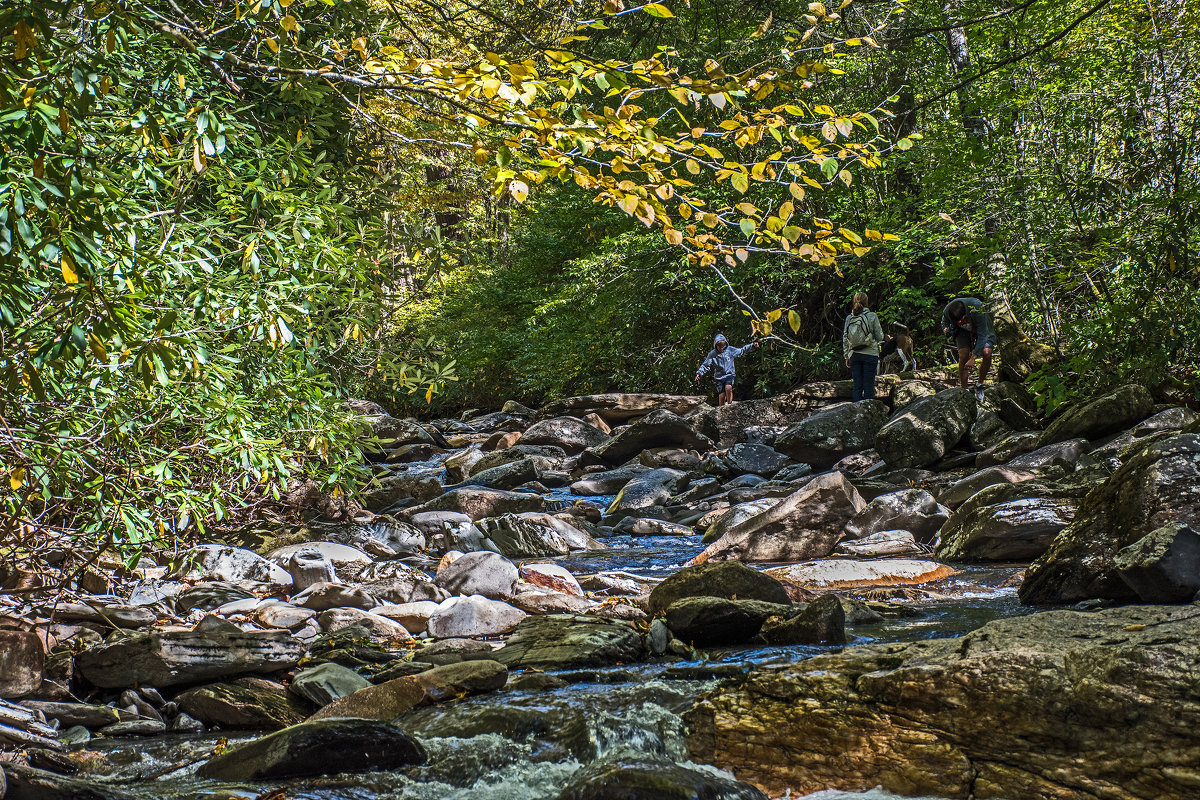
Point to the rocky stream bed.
(641, 596)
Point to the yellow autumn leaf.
(16, 478)
(673, 235)
(273, 45)
(794, 321)
(68, 271)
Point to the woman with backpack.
(861, 335)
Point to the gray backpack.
(858, 333)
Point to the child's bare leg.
(727, 395)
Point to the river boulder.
(805, 524)
(842, 573)
(611, 481)
(727, 579)
(474, 615)
(211, 650)
(1021, 529)
(1110, 413)
(1155, 487)
(324, 747)
(657, 429)
(390, 700)
(252, 703)
(643, 778)
(505, 476)
(912, 510)
(324, 683)
(1003, 712)
(478, 502)
(822, 622)
(754, 459)
(483, 572)
(562, 641)
(1163, 566)
(572, 434)
(831, 434)
(710, 621)
(650, 489)
(926, 429)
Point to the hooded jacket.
(720, 365)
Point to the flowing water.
(525, 744)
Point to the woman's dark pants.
(863, 369)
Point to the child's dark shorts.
(721, 384)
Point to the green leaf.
(829, 167)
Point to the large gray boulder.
(391, 699)
(505, 476)
(251, 703)
(912, 510)
(926, 429)
(486, 573)
(323, 747)
(754, 459)
(1111, 413)
(220, 562)
(572, 434)
(449, 530)
(962, 490)
(1014, 530)
(727, 579)
(472, 616)
(478, 502)
(1155, 487)
(397, 582)
(805, 524)
(324, 683)
(652, 488)
(708, 621)
(543, 456)
(1163, 566)
(647, 778)
(657, 429)
(830, 435)
(595, 484)
(1002, 712)
(516, 536)
(560, 641)
(212, 649)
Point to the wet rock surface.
(557, 540)
(1042, 689)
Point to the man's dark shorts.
(721, 384)
(962, 339)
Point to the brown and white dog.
(900, 343)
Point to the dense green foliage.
(1073, 153)
(218, 221)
